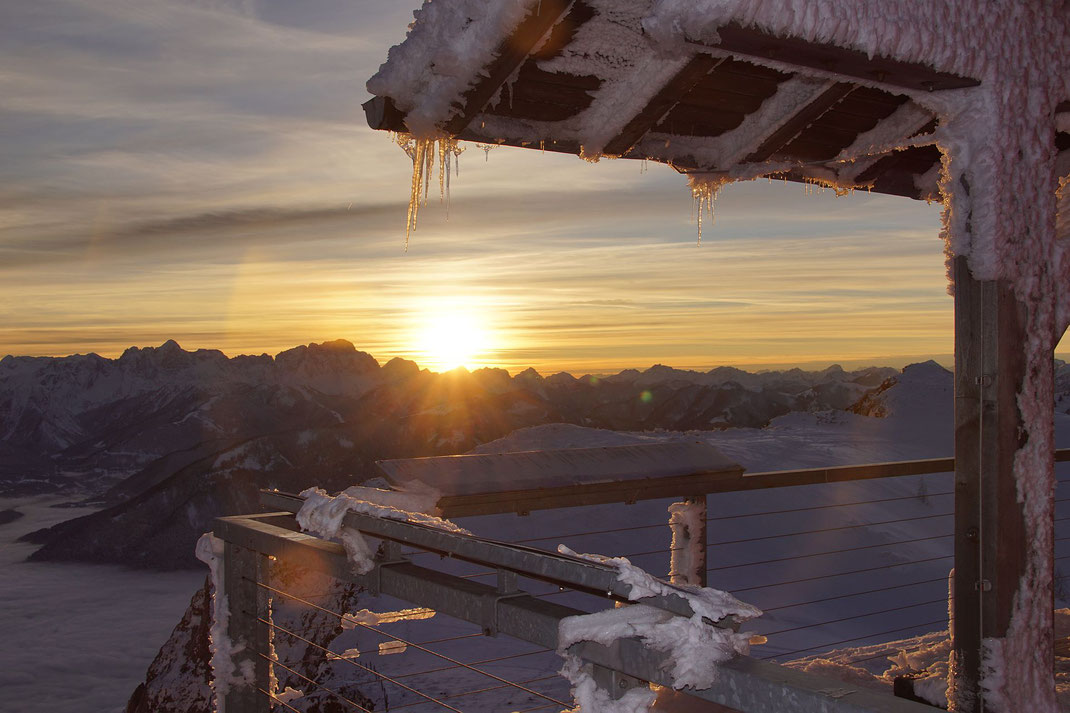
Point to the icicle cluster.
(425, 154)
(704, 189)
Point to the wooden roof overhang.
(761, 98)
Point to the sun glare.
(450, 336)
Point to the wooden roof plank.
(666, 98)
(799, 121)
(512, 53)
(754, 42)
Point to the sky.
(201, 170)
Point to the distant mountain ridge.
(170, 439)
(62, 418)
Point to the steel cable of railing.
(589, 532)
(536, 708)
(831, 529)
(410, 643)
(278, 700)
(790, 534)
(783, 559)
(842, 574)
(827, 552)
(856, 638)
(349, 661)
(443, 640)
(317, 684)
(432, 641)
(728, 517)
(794, 557)
(474, 663)
(453, 696)
(856, 616)
(825, 507)
(855, 594)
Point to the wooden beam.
(383, 115)
(510, 55)
(893, 173)
(674, 90)
(837, 60)
(990, 527)
(799, 121)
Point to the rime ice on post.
(687, 520)
(238, 640)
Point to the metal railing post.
(687, 559)
(244, 690)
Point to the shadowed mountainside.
(170, 439)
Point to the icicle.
(839, 190)
(423, 153)
(704, 189)
(442, 162)
(429, 166)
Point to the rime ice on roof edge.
(446, 49)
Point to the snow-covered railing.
(611, 656)
(509, 590)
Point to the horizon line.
(945, 360)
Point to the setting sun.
(450, 335)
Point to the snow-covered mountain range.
(170, 439)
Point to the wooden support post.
(687, 520)
(990, 534)
(242, 569)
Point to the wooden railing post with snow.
(245, 688)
